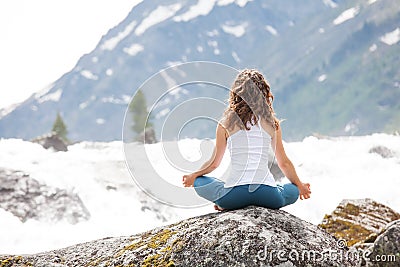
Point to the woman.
(249, 128)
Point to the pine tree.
(140, 115)
(60, 128)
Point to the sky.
(43, 39)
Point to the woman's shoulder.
(223, 126)
(266, 126)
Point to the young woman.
(249, 129)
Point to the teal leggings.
(242, 196)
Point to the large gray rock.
(253, 236)
(383, 151)
(386, 248)
(52, 141)
(26, 198)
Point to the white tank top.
(249, 151)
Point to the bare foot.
(216, 207)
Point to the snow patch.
(199, 48)
(322, 78)
(330, 3)
(114, 100)
(321, 30)
(109, 72)
(373, 48)
(162, 113)
(225, 2)
(212, 33)
(271, 30)
(173, 63)
(163, 102)
(8, 110)
(84, 105)
(134, 49)
(177, 91)
(44, 91)
(89, 75)
(235, 57)
(391, 38)
(95, 59)
(240, 3)
(51, 97)
(171, 83)
(346, 15)
(370, 2)
(111, 43)
(212, 43)
(100, 121)
(237, 30)
(352, 126)
(202, 8)
(160, 14)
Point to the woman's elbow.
(214, 165)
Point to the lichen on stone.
(358, 221)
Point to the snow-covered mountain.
(338, 57)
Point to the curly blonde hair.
(250, 99)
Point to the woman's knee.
(201, 181)
(290, 193)
(196, 182)
(208, 187)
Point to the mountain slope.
(333, 66)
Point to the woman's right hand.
(304, 191)
(188, 179)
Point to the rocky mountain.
(333, 66)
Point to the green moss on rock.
(11, 261)
(358, 221)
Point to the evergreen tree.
(138, 108)
(60, 128)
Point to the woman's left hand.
(304, 191)
(188, 180)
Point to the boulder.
(148, 136)
(358, 220)
(26, 198)
(383, 151)
(53, 141)
(386, 248)
(252, 236)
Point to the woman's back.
(249, 151)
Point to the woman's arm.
(287, 166)
(213, 162)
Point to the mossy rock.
(358, 221)
(230, 238)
